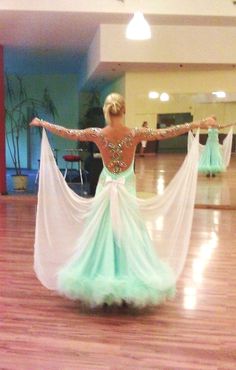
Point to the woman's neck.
(117, 122)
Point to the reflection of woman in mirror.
(99, 250)
(143, 142)
(211, 161)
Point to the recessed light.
(219, 94)
(164, 96)
(153, 95)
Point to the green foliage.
(93, 116)
(20, 109)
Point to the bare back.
(117, 148)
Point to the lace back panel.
(117, 156)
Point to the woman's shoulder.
(93, 131)
(114, 133)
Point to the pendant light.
(138, 28)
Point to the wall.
(118, 86)
(169, 44)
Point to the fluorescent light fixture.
(219, 94)
(153, 95)
(164, 97)
(138, 28)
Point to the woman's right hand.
(36, 122)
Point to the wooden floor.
(216, 192)
(197, 330)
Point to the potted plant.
(20, 109)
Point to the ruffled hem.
(99, 291)
(211, 169)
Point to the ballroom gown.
(211, 160)
(115, 247)
(118, 264)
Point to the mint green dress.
(115, 247)
(119, 263)
(211, 159)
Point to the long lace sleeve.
(89, 134)
(150, 134)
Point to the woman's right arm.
(229, 125)
(89, 134)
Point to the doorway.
(177, 144)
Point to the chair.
(71, 158)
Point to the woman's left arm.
(173, 131)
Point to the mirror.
(214, 192)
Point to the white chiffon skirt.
(114, 247)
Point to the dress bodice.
(213, 134)
(117, 155)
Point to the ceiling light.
(219, 94)
(138, 28)
(153, 95)
(164, 96)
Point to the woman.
(214, 157)
(143, 142)
(211, 160)
(99, 250)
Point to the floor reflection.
(160, 184)
(213, 190)
(200, 263)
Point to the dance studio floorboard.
(196, 331)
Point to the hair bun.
(114, 106)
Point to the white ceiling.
(49, 35)
(75, 31)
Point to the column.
(3, 189)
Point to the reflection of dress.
(211, 160)
(214, 157)
(113, 247)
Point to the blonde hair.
(114, 105)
